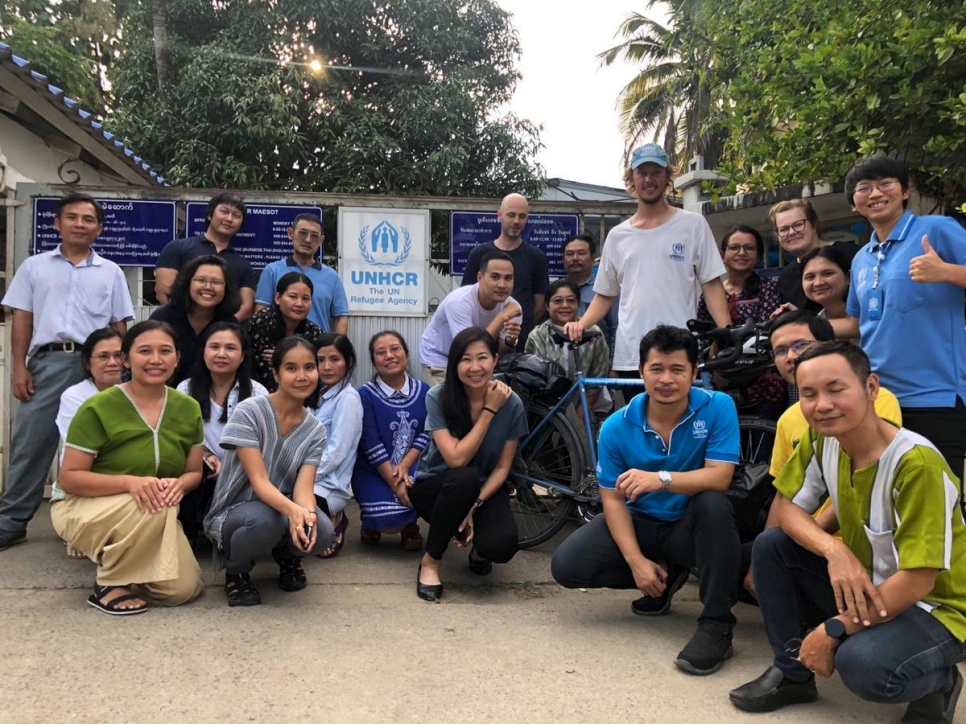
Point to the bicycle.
(554, 477)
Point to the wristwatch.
(665, 477)
(836, 629)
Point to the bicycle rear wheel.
(757, 439)
(554, 454)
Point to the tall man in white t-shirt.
(486, 304)
(654, 260)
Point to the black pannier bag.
(751, 493)
(533, 377)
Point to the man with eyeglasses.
(330, 308)
(225, 215)
(791, 334)
(797, 228)
(58, 298)
(906, 304)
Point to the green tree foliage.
(70, 42)
(670, 98)
(405, 102)
(806, 86)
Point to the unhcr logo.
(677, 252)
(382, 247)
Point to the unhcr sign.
(384, 261)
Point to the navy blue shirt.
(179, 252)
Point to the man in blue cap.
(655, 260)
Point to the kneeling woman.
(475, 423)
(263, 499)
(132, 452)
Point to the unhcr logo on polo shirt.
(382, 247)
(700, 429)
(677, 252)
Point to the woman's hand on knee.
(173, 491)
(148, 493)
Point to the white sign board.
(384, 261)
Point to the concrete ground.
(357, 644)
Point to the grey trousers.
(33, 440)
(253, 530)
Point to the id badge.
(873, 304)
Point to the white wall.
(29, 159)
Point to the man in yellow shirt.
(791, 334)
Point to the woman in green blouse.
(131, 453)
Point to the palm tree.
(670, 98)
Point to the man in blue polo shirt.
(665, 461)
(225, 215)
(330, 309)
(906, 305)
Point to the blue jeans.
(902, 660)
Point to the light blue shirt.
(708, 431)
(328, 293)
(68, 301)
(917, 345)
(340, 410)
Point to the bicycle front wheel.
(757, 439)
(555, 455)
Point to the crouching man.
(894, 587)
(665, 461)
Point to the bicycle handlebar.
(730, 340)
(558, 335)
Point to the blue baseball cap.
(649, 153)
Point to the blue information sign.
(545, 231)
(134, 231)
(264, 235)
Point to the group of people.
(862, 566)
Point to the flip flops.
(339, 539)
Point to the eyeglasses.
(796, 347)
(886, 184)
(108, 356)
(794, 226)
(747, 248)
(213, 283)
(564, 300)
(303, 234)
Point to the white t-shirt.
(70, 401)
(459, 310)
(214, 428)
(658, 273)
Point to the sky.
(565, 90)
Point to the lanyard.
(879, 260)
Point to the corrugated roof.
(72, 109)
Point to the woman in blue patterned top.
(393, 417)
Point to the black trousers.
(944, 427)
(444, 501)
(194, 507)
(706, 537)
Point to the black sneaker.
(772, 691)
(661, 606)
(707, 650)
(937, 708)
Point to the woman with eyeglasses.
(563, 300)
(102, 359)
(797, 228)
(750, 298)
(287, 317)
(204, 292)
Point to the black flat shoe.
(772, 691)
(291, 577)
(480, 566)
(241, 591)
(427, 592)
